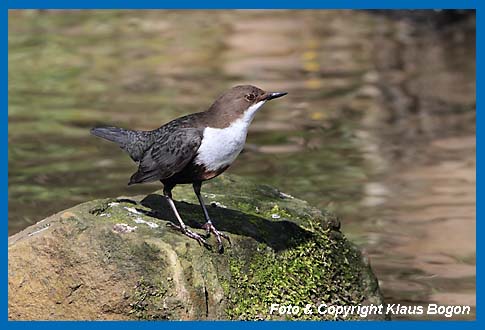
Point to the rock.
(116, 259)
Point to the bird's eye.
(250, 97)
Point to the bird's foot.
(187, 232)
(209, 228)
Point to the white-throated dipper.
(192, 148)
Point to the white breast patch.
(221, 146)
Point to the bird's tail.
(133, 142)
(113, 134)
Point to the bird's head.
(242, 101)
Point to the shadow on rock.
(279, 235)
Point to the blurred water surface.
(378, 126)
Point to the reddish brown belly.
(194, 173)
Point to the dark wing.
(169, 154)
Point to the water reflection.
(379, 125)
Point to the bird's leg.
(167, 191)
(208, 226)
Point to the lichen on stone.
(147, 299)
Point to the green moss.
(226, 287)
(319, 270)
(276, 213)
(247, 208)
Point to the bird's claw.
(191, 234)
(209, 228)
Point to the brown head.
(238, 102)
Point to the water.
(378, 126)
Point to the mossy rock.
(118, 259)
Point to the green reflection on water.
(68, 73)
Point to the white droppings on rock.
(148, 223)
(107, 215)
(132, 210)
(218, 204)
(283, 195)
(152, 224)
(39, 230)
(113, 204)
(123, 228)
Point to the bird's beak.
(275, 95)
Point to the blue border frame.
(245, 4)
(218, 4)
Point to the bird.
(193, 149)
